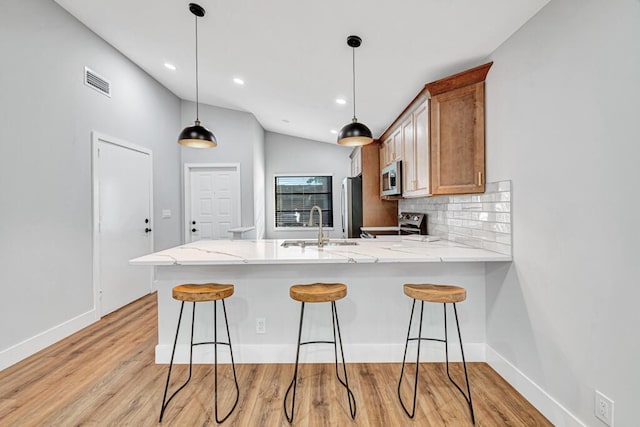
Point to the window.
(296, 195)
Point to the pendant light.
(354, 133)
(197, 136)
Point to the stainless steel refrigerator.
(351, 206)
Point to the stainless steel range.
(412, 223)
(409, 223)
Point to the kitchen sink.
(314, 242)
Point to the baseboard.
(285, 353)
(540, 399)
(30, 346)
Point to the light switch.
(166, 213)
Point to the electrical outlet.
(261, 325)
(604, 408)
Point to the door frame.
(97, 137)
(186, 200)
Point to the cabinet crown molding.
(456, 81)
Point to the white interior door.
(124, 229)
(214, 202)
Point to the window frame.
(275, 209)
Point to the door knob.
(147, 230)
(146, 220)
(193, 230)
(193, 222)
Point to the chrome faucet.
(321, 238)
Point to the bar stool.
(202, 293)
(319, 292)
(439, 294)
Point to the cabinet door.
(356, 162)
(397, 146)
(409, 156)
(457, 141)
(421, 137)
(386, 151)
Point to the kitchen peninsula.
(373, 316)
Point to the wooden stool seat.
(436, 293)
(205, 292)
(318, 292)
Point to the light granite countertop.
(232, 252)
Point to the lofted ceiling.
(293, 56)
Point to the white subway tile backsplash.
(491, 187)
(460, 199)
(478, 220)
(503, 238)
(504, 196)
(503, 217)
(472, 206)
(472, 224)
(504, 186)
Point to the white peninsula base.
(373, 316)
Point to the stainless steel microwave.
(391, 179)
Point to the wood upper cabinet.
(421, 144)
(376, 212)
(440, 137)
(391, 149)
(356, 161)
(415, 143)
(396, 147)
(457, 133)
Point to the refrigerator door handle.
(342, 206)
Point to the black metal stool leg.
(215, 358)
(165, 401)
(467, 396)
(350, 397)
(419, 339)
(294, 381)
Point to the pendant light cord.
(197, 89)
(353, 50)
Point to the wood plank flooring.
(105, 375)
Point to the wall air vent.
(97, 82)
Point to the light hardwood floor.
(105, 375)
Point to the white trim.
(96, 138)
(298, 229)
(186, 200)
(540, 399)
(285, 353)
(30, 346)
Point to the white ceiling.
(293, 54)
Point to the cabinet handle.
(479, 178)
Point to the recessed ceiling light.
(333, 131)
(238, 81)
(341, 101)
(170, 66)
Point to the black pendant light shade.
(355, 133)
(197, 136)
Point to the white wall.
(563, 102)
(46, 118)
(240, 138)
(288, 154)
